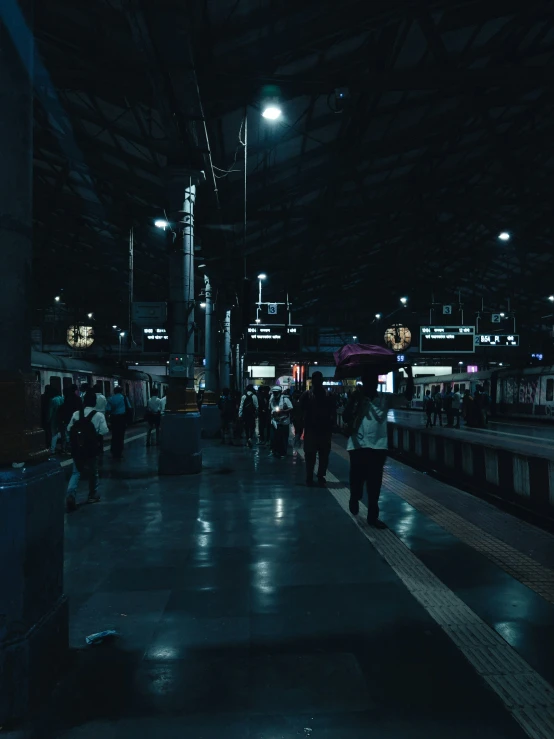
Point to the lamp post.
(121, 336)
(260, 278)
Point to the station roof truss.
(446, 139)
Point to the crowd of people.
(314, 415)
(472, 409)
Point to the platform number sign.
(272, 309)
(447, 310)
(495, 318)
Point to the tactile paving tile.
(528, 697)
(529, 572)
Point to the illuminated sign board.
(447, 339)
(155, 340)
(497, 340)
(273, 338)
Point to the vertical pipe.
(226, 374)
(187, 226)
(209, 372)
(238, 379)
(245, 181)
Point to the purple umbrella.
(353, 358)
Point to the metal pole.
(187, 225)
(226, 378)
(131, 282)
(238, 379)
(209, 374)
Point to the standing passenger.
(153, 415)
(456, 405)
(438, 408)
(318, 412)
(280, 408)
(428, 407)
(101, 402)
(247, 413)
(117, 408)
(366, 416)
(447, 405)
(55, 419)
(263, 414)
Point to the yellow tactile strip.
(524, 693)
(537, 577)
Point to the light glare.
(271, 112)
(161, 223)
(504, 236)
(263, 276)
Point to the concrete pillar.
(180, 451)
(226, 358)
(33, 610)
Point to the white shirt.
(98, 421)
(101, 403)
(456, 401)
(283, 404)
(155, 405)
(254, 400)
(372, 433)
(163, 401)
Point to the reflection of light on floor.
(164, 652)
(205, 526)
(202, 540)
(279, 508)
(262, 579)
(509, 631)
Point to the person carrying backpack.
(247, 413)
(84, 428)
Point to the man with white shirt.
(456, 405)
(366, 416)
(101, 401)
(153, 415)
(83, 429)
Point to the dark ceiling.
(447, 138)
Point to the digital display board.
(447, 339)
(155, 340)
(273, 338)
(497, 340)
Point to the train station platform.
(510, 461)
(249, 606)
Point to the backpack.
(83, 437)
(248, 408)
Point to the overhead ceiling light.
(122, 333)
(57, 298)
(551, 298)
(202, 305)
(262, 276)
(502, 315)
(504, 236)
(161, 223)
(201, 266)
(377, 315)
(403, 301)
(89, 315)
(271, 112)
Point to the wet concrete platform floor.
(250, 606)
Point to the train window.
(56, 383)
(107, 388)
(550, 390)
(67, 382)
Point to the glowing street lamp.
(403, 301)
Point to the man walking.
(247, 413)
(117, 407)
(318, 411)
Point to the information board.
(155, 340)
(273, 338)
(497, 340)
(447, 339)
